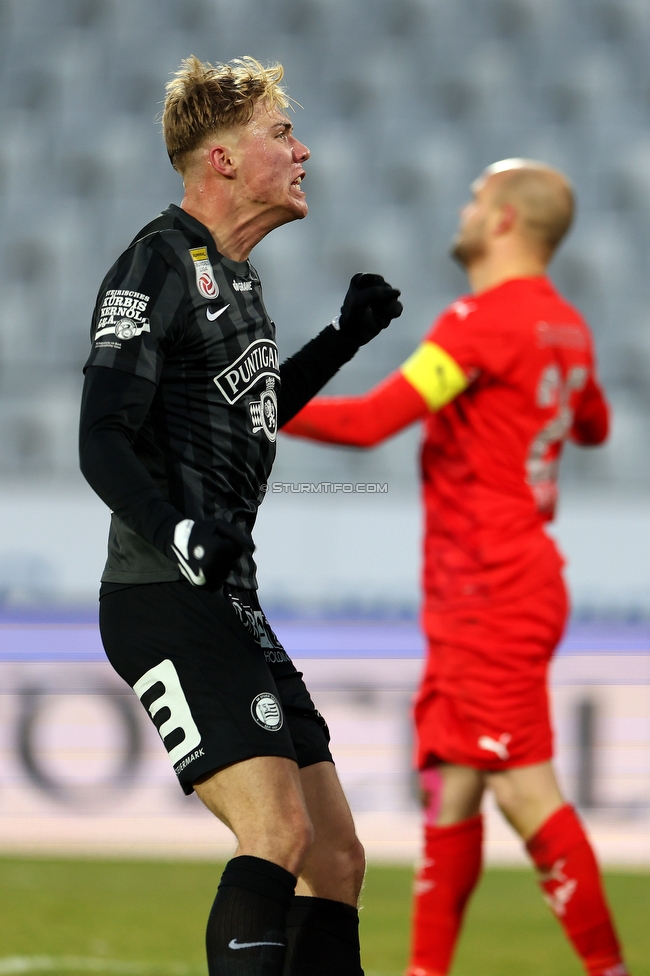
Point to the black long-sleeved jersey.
(184, 394)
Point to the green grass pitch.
(143, 918)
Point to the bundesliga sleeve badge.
(205, 282)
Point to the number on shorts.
(161, 693)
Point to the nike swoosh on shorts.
(234, 944)
(211, 316)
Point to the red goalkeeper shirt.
(501, 380)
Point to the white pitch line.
(12, 965)
(61, 964)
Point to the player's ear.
(507, 218)
(221, 160)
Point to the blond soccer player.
(184, 394)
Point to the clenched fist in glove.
(207, 551)
(369, 306)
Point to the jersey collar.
(240, 268)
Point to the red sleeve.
(455, 335)
(360, 421)
(591, 419)
(469, 332)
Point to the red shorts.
(483, 701)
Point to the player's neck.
(235, 229)
(489, 272)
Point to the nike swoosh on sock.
(234, 944)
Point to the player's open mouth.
(297, 181)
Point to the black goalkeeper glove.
(368, 307)
(207, 551)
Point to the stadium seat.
(452, 84)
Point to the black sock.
(322, 938)
(246, 928)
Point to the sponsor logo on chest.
(205, 281)
(258, 360)
(243, 285)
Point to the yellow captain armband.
(435, 375)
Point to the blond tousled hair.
(204, 98)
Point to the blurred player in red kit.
(504, 377)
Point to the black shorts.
(214, 678)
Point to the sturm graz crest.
(264, 412)
(267, 712)
(269, 404)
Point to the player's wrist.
(343, 343)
